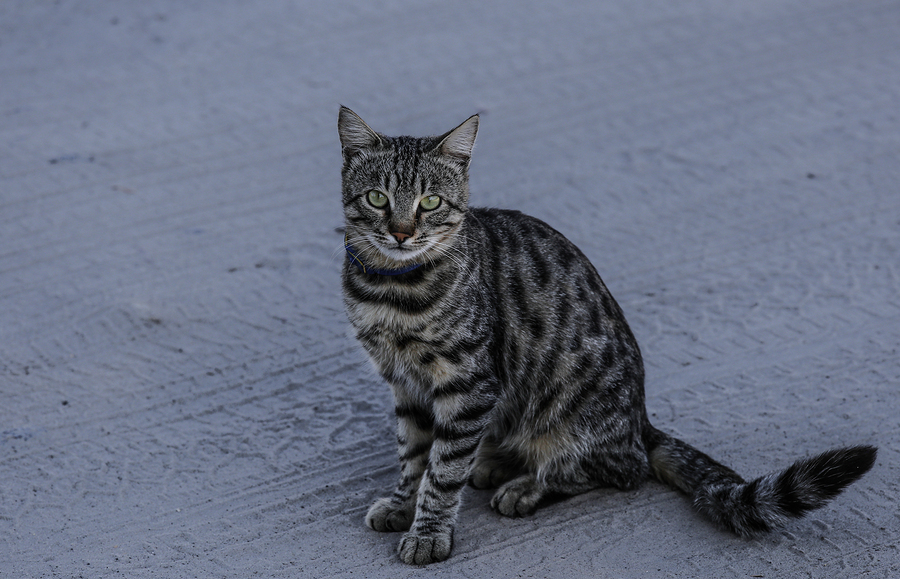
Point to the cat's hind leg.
(493, 466)
(624, 469)
(519, 497)
(522, 495)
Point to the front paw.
(389, 515)
(422, 549)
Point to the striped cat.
(511, 364)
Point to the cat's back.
(519, 243)
(546, 289)
(561, 333)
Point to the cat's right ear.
(355, 133)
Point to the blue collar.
(357, 260)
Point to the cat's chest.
(404, 346)
(385, 332)
(384, 319)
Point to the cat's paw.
(422, 549)
(519, 497)
(488, 475)
(388, 515)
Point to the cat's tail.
(749, 508)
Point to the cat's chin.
(402, 254)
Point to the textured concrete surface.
(179, 396)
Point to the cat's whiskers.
(450, 252)
(359, 243)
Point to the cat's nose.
(400, 236)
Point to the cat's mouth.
(405, 251)
(402, 252)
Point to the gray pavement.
(179, 394)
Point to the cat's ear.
(458, 143)
(355, 133)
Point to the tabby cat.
(510, 363)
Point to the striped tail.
(765, 503)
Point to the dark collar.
(357, 260)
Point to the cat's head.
(404, 197)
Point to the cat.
(510, 363)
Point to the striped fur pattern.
(510, 363)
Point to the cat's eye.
(377, 198)
(430, 202)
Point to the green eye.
(430, 202)
(377, 198)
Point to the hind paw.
(487, 475)
(519, 497)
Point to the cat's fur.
(510, 363)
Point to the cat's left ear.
(458, 143)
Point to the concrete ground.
(180, 397)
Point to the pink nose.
(400, 236)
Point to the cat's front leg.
(414, 439)
(459, 424)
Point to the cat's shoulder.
(512, 221)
